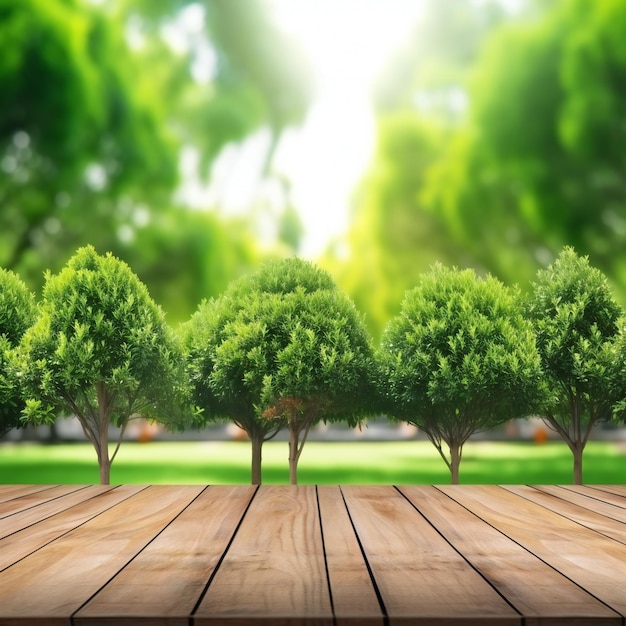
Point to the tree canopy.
(554, 76)
(100, 350)
(17, 313)
(281, 347)
(494, 149)
(459, 358)
(497, 141)
(101, 104)
(76, 134)
(580, 336)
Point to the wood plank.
(421, 578)
(35, 499)
(575, 507)
(593, 500)
(353, 593)
(54, 582)
(36, 514)
(167, 579)
(619, 502)
(25, 533)
(619, 490)
(131, 554)
(274, 571)
(538, 592)
(9, 492)
(595, 562)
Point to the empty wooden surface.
(426, 555)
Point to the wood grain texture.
(578, 508)
(166, 579)
(595, 562)
(619, 490)
(57, 579)
(25, 533)
(419, 575)
(274, 569)
(35, 499)
(614, 499)
(540, 594)
(462, 555)
(353, 593)
(10, 492)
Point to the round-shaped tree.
(282, 347)
(202, 338)
(580, 337)
(459, 358)
(17, 313)
(102, 351)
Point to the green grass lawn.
(405, 462)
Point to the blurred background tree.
(82, 142)
(500, 139)
(102, 101)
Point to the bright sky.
(348, 43)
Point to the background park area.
(523, 452)
(198, 141)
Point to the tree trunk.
(271, 150)
(293, 455)
(104, 419)
(577, 451)
(455, 461)
(105, 469)
(257, 445)
(104, 463)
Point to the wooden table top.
(427, 555)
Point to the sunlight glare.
(348, 43)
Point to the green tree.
(90, 148)
(186, 256)
(556, 74)
(258, 75)
(17, 313)
(421, 103)
(207, 350)
(394, 237)
(282, 347)
(579, 329)
(511, 140)
(100, 350)
(78, 141)
(459, 358)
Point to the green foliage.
(185, 256)
(580, 336)
(96, 106)
(282, 346)
(76, 135)
(405, 212)
(17, 313)
(512, 149)
(393, 238)
(459, 358)
(321, 356)
(252, 50)
(17, 307)
(558, 181)
(100, 350)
